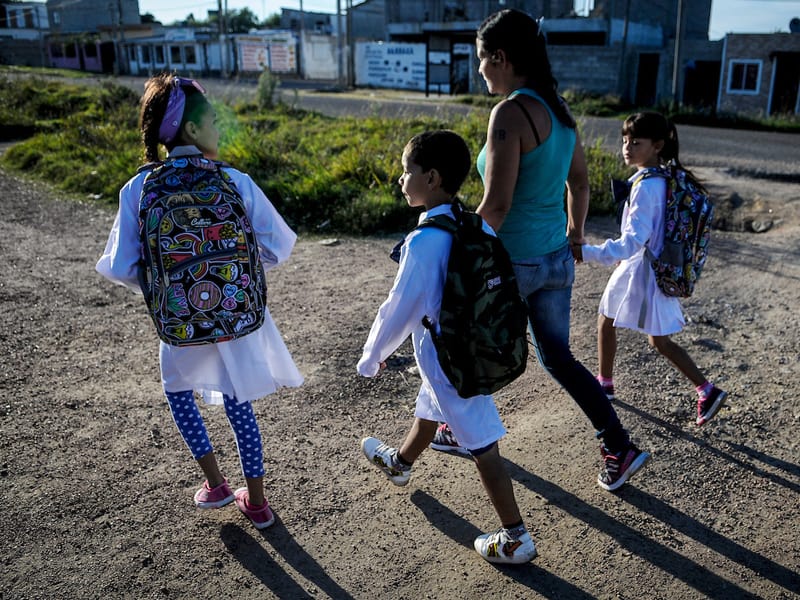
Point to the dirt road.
(97, 486)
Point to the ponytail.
(153, 106)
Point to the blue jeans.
(546, 283)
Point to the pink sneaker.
(207, 497)
(261, 516)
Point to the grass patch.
(324, 174)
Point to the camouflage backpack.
(200, 270)
(482, 342)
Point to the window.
(175, 55)
(744, 77)
(191, 55)
(70, 51)
(159, 55)
(145, 55)
(90, 50)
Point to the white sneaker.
(500, 547)
(385, 459)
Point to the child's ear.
(659, 145)
(498, 56)
(434, 178)
(190, 130)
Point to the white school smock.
(416, 293)
(246, 368)
(632, 297)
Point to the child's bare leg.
(497, 484)
(606, 345)
(678, 357)
(211, 469)
(255, 490)
(418, 438)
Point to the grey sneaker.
(500, 547)
(385, 459)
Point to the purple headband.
(175, 105)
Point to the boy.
(435, 164)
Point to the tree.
(241, 21)
(273, 21)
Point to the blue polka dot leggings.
(243, 422)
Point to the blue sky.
(727, 16)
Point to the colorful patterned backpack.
(482, 342)
(687, 232)
(200, 271)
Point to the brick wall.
(589, 68)
(21, 52)
(750, 48)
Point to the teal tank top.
(536, 224)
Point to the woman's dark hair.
(518, 35)
(153, 106)
(445, 151)
(650, 125)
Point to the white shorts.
(474, 421)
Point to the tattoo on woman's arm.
(500, 135)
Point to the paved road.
(749, 153)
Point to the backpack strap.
(530, 120)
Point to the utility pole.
(340, 41)
(676, 63)
(40, 29)
(302, 41)
(223, 49)
(622, 87)
(115, 38)
(123, 58)
(350, 50)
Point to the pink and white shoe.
(261, 516)
(217, 497)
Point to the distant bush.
(324, 174)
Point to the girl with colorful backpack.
(195, 236)
(633, 298)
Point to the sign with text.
(257, 53)
(390, 65)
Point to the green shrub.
(323, 174)
(268, 84)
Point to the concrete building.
(624, 47)
(80, 16)
(23, 28)
(760, 74)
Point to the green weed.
(323, 174)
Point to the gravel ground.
(97, 486)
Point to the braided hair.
(521, 38)
(153, 107)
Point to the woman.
(532, 149)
